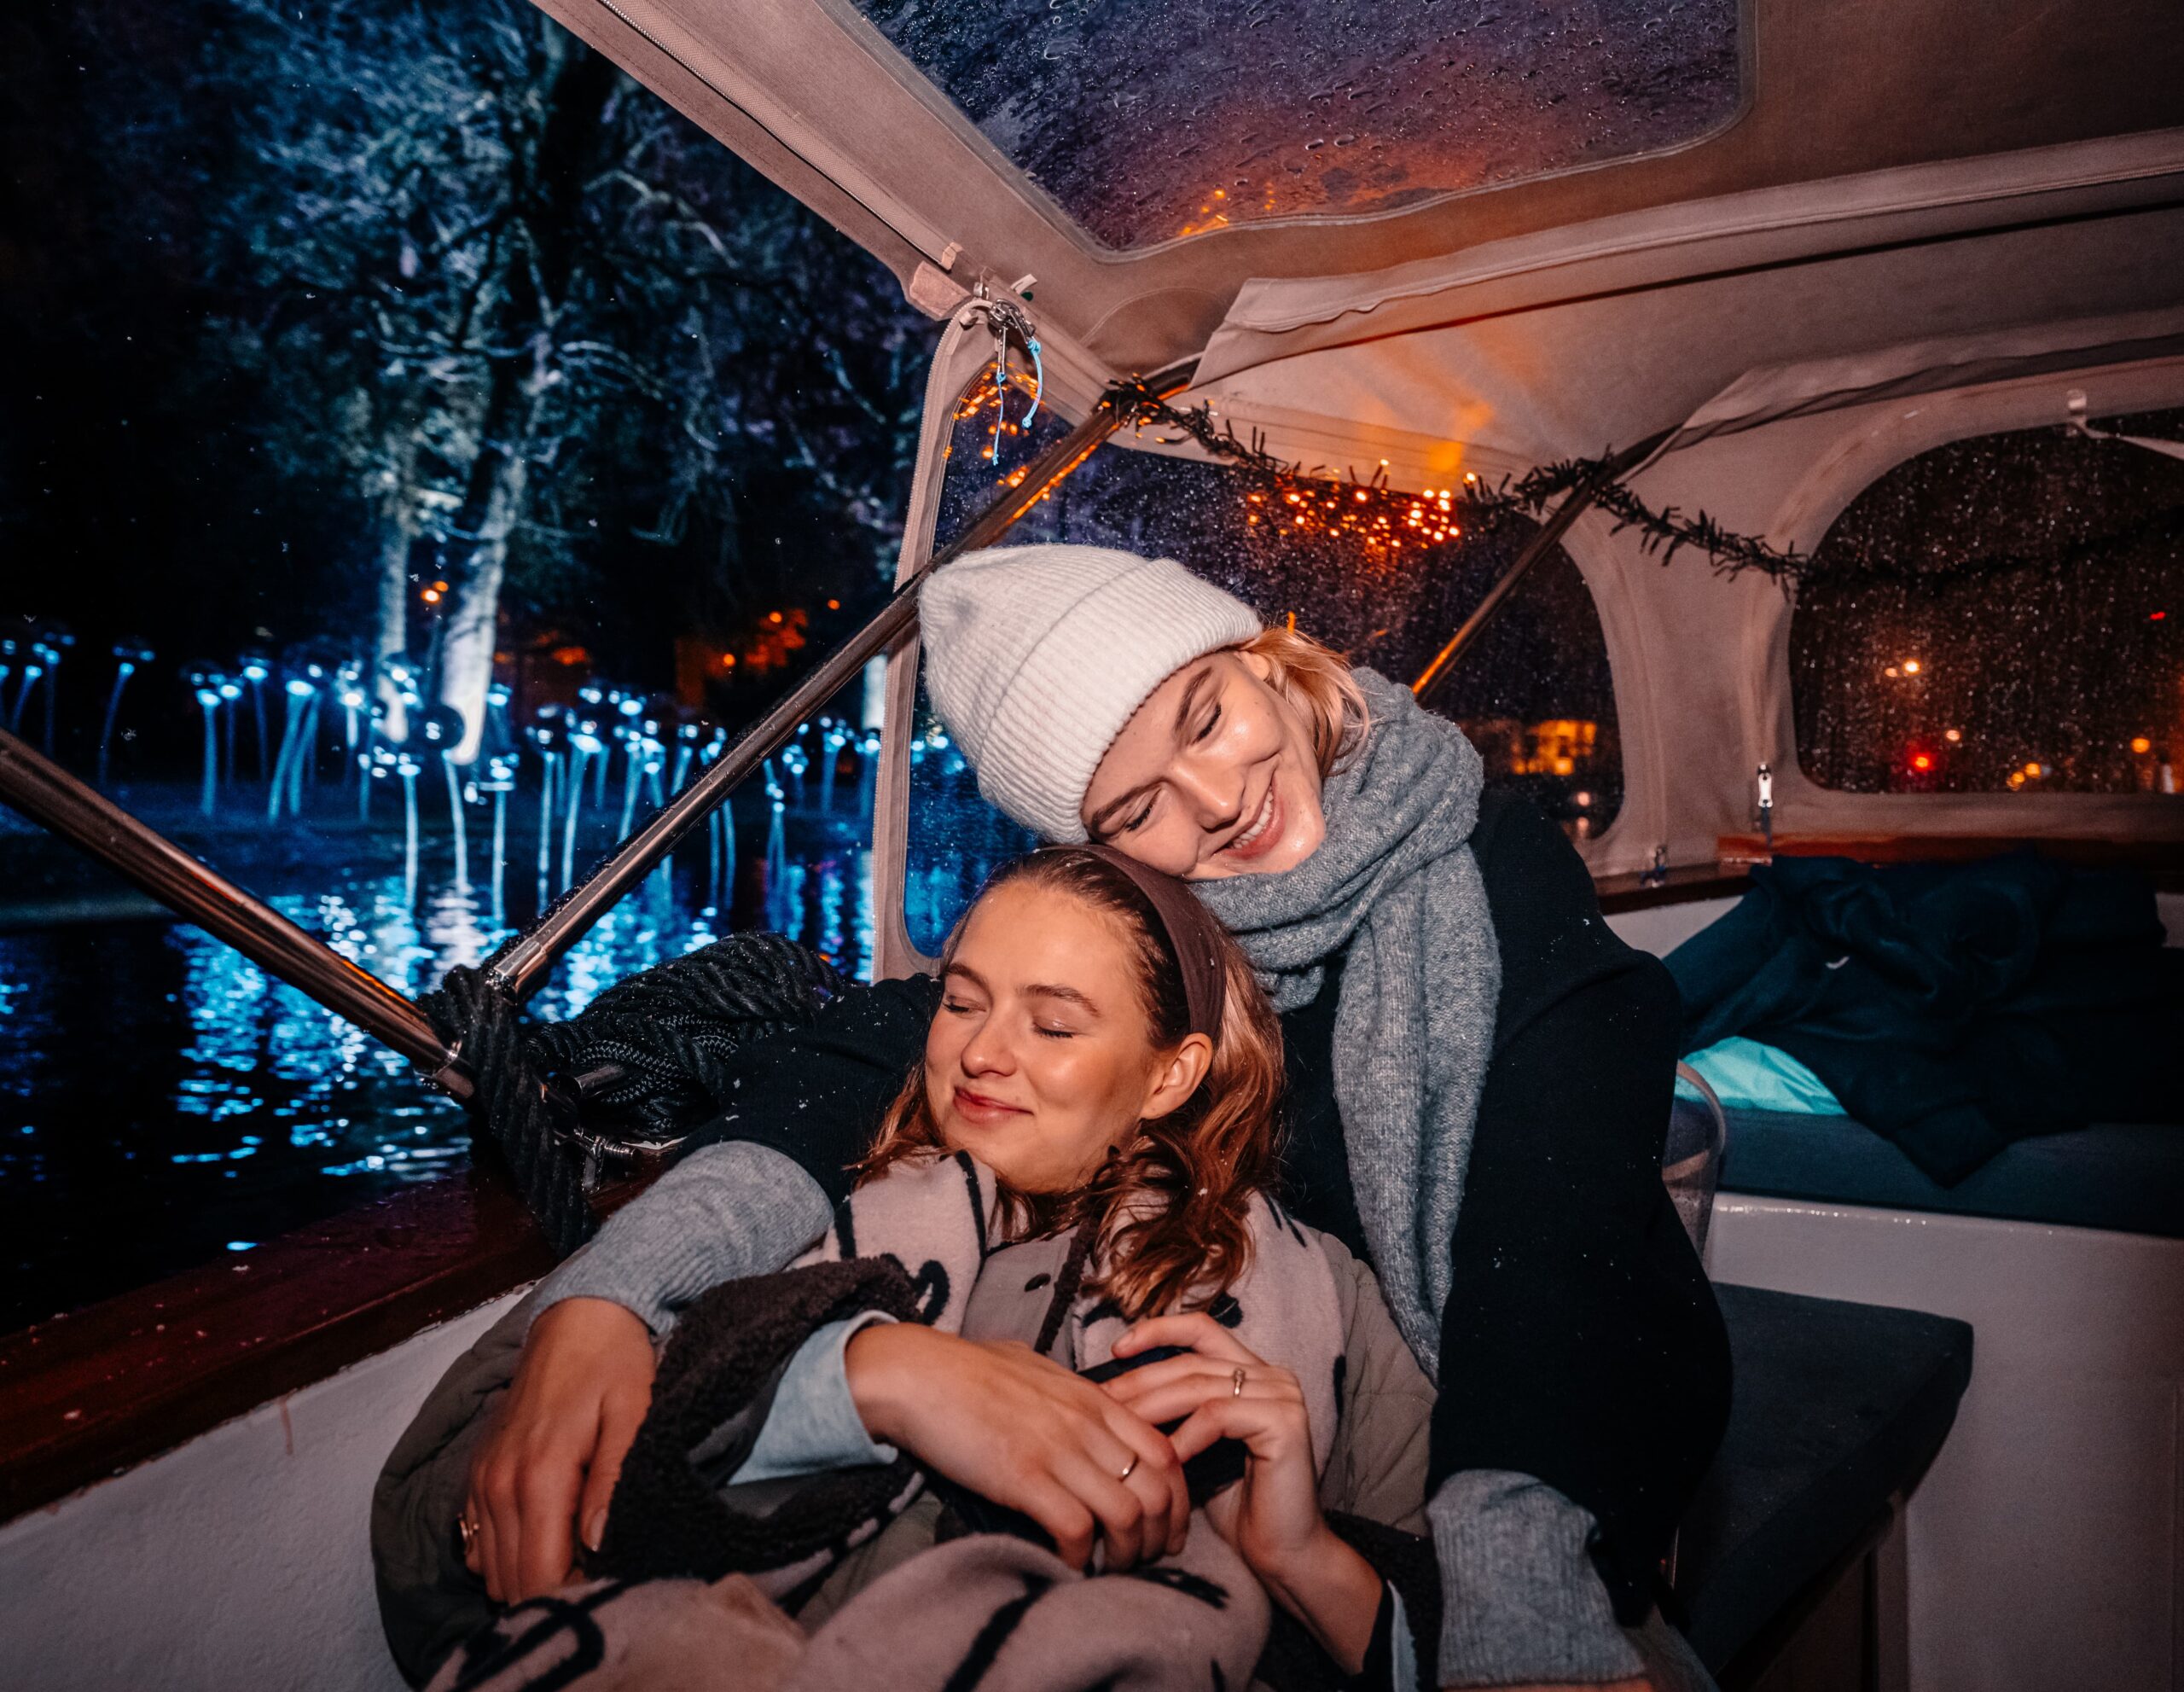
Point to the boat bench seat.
(2123, 1178)
(1836, 1409)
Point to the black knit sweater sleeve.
(1581, 1344)
(818, 1093)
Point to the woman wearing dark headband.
(1480, 1081)
(1099, 1049)
(1149, 1127)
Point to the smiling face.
(1041, 1054)
(1215, 775)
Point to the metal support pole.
(49, 796)
(522, 965)
(1550, 534)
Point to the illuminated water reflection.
(163, 1100)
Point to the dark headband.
(1193, 936)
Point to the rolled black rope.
(671, 1030)
(508, 1108)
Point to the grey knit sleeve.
(725, 1212)
(1521, 1602)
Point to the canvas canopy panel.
(1771, 392)
(953, 170)
(1149, 120)
(1594, 336)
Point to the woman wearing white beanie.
(1480, 1078)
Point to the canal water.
(164, 1103)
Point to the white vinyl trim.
(1278, 306)
(963, 353)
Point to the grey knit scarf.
(1394, 882)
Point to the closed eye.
(1138, 820)
(1059, 1033)
(1212, 722)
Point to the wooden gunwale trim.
(1683, 885)
(2162, 862)
(86, 1395)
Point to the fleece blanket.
(704, 1574)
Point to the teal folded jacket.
(1749, 1075)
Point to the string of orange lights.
(1381, 519)
(1315, 501)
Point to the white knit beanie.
(1038, 655)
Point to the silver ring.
(1236, 1385)
(469, 1531)
(1130, 1468)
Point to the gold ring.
(1130, 1468)
(1236, 1385)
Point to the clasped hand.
(1021, 1430)
(1219, 1389)
(1085, 1461)
(550, 1457)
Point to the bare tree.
(528, 311)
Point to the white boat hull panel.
(237, 1563)
(2046, 1544)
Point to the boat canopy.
(1803, 243)
(1178, 174)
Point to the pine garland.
(1665, 532)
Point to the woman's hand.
(1018, 1429)
(554, 1450)
(1222, 1390)
(1272, 1517)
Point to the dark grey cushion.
(2125, 1177)
(1836, 1406)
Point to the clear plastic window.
(1150, 119)
(956, 839)
(2001, 615)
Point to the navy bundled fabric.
(1952, 1006)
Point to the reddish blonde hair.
(1315, 678)
(1199, 1165)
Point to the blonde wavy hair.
(1316, 679)
(1170, 1209)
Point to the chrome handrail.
(72, 808)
